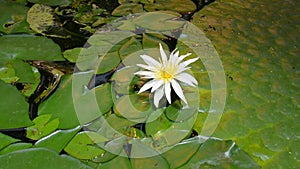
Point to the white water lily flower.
(166, 73)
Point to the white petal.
(181, 68)
(163, 55)
(157, 85)
(187, 78)
(150, 61)
(173, 58)
(186, 63)
(144, 73)
(146, 67)
(147, 86)
(158, 94)
(178, 90)
(176, 54)
(184, 56)
(168, 91)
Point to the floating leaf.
(152, 42)
(61, 103)
(128, 8)
(131, 46)
(133, 107)
(72, 54)
(42, 127)
(160, 123)
(40, 17)
(155, 161)
(181, 6)
(27, 47)
(108, 62)
(220, 154)
(182, 152)
(52, 2)
(13, 18)
(57, 140)
(6, 140)
(7, 74)
(23, 71)
(104, 97)
(262, 103)
(13, 108)
(118, 162)
(35, 158)
(158, 21)
(15, 147)
(84, 145)
(29, 88)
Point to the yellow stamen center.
(165, 75)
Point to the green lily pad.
(220, 154)
(155, 161)
(58, 139)
(127, 8)
(158, 21)
(119, 124)
(72, 54)
(104, 97)
(133, 107)
(123, 80)
(6, 140)
(8, 75)
(128, 1)
(181, 6)
(28, 47)
(52, 2)
(23, 71)
(108, 62)
(29, 88)
(13, 18)
(160, 123)
(13, 108)
(16, 49)
(42, 127)
(131, 46)
(15, 147)
(61, 103)
(150, 41)
(36, 158)
(182, 152)
(102, 54)
(84, 145)
(261, 112)
(118, 162)
(126, 25)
